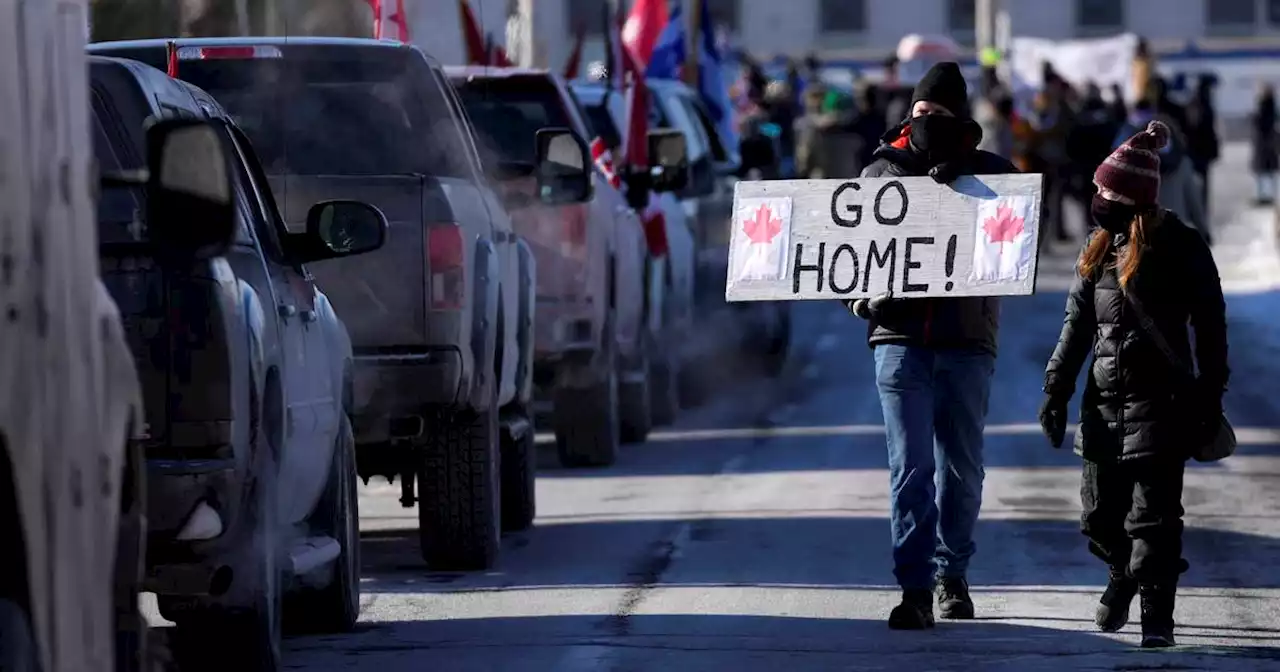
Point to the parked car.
(714, 168)
(441, 318)
(591, 353)
(672, 274)
(245, 372)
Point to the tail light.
(447, 263)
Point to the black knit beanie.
(944, 85)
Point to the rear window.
(338, 111)
(507, 112)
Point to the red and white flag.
(603, 159)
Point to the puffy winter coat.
(1135, 402)
(944, 323)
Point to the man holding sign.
(934, 360)
(919, 247)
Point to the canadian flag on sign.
(1004, 242)
(761, 237)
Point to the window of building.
(961, 20)
(1100, 16)
(842, 16)
(1231, 12)
(725, 14)
(1273, 12)
(589, 15)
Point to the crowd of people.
(798, 126)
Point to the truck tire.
(635, 414)
(664, 388)
(518, 466)
(219, 638)
(458, 490)
(586, 423)
(336, 606)
(18, 650)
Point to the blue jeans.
(935, 408)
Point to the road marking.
(1245, 436)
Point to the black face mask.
(1112, 216)
(938, 137)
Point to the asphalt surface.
(754, 534)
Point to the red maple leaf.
(1004, 227)
(764, 227)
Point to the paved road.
(753, 536)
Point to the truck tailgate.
(380, 296)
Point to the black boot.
(1157, 616)
(954, 602)
(1113, 608)
(915, 612)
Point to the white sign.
(1105, 61)
(843, 239)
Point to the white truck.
(72, 525)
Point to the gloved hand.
(869, 309)
(947, 172)
(1053, 419)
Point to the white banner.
(1105, 62)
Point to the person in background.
(896, 101)
(1203, 145)
(1144, 71)
(1165, 106)
(994, 113)
(1265, 161)
(810, 132)
(780, 107)
(868, 125)
(1119, 112)
(1051, 120)
(934, 361)
(1089, 141)
(1140, 413)
(1180, 191)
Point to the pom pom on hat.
(1154, 137)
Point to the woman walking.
(1266, 155)
(1142, 277)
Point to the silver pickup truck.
(440, 318)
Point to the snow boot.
(1157, 616)
(954, 602)
(1113, 608)
(915, 612)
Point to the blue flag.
(669, 56)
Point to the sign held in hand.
(848, 239)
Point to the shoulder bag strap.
(1149, 326)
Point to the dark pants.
(935, 408)
(1133, 517)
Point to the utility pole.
(984, 23)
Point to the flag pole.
(693, 34)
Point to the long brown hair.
(1103, 242)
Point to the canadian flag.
(603, 159)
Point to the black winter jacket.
(1136, 404)
(968, 322)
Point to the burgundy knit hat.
(1133, 169)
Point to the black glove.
(1206, 410)
(869, 309)
(1053, 419)
(947, 172)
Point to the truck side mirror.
(190, 201)
(564, 167)
(343, 228)
(668, 160)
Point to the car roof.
(490, 72)
(278, 41)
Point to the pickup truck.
(245, 371)
(714, 166)
(441, 319)
(591, 351)
(671, 275)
